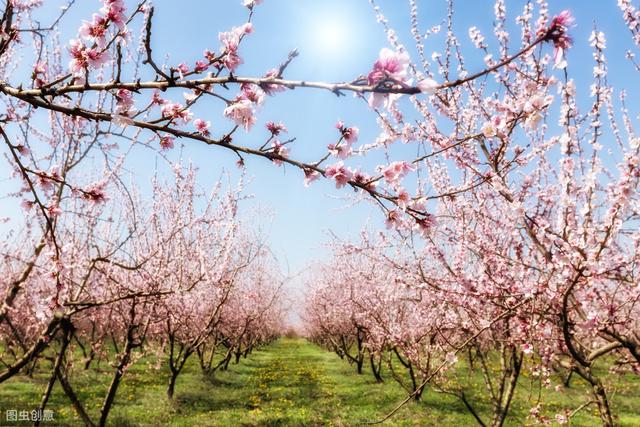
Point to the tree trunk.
(77, 405)
(375, 369)
(512, 372)
(172, 384)
(68, 332)
(359, 363)
(117, 377)
(34, 351)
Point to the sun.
(332, 33)
(330, 36)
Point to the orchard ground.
(290, 382)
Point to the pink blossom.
(408, 134)
(176, 111)
(40, 67)
(339, 173)
(190, 96)
(253, 93)
(310, 176)
(428, 86)
(202, 127)
(76, 49)
(209, 55)
(275, 128)
(27, 204)
(342, 151)
(557, 33)
(350, 134)
(231, 60)
(156, 99)
(230, 42)
(242, 113)
(121, 120)
(54, 210)
(115, 11)
(83, 57)
(245, 29)
(396, 171)
(95, 58)
(166, 142)
(271, 88)
(45, 182)
(424, 225)
(393, 219)
(23, 5)
(564, 19)
(364, 180)
(402, 198)
(390, 65)
(95, 30)
(23, 150)
(182, 69)
(376, 100)
(95, 193)
(201, 66)
(418, 205)
(124, 101)
(488, 130)
(279, 149)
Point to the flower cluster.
(396, 171)
(349, 135)
(95, 193)
(310, 176)
(176, 111)
(275, 128)
(39, 73)
(242, 113)
(340, 173)
(124, 108)
(557, 33)
(230, 42)
(271, 88)
(83, 57)
(391, 67)
(166, 142)
(242, 110)
(95, 31)
(202, 127)
(280, 151)
(23, 5)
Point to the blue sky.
(338, 40)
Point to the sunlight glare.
(330, 36)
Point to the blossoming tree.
(514, 215)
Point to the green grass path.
(288, 383)
(295, 383)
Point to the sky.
(338, 40)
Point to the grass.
(290, 383)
